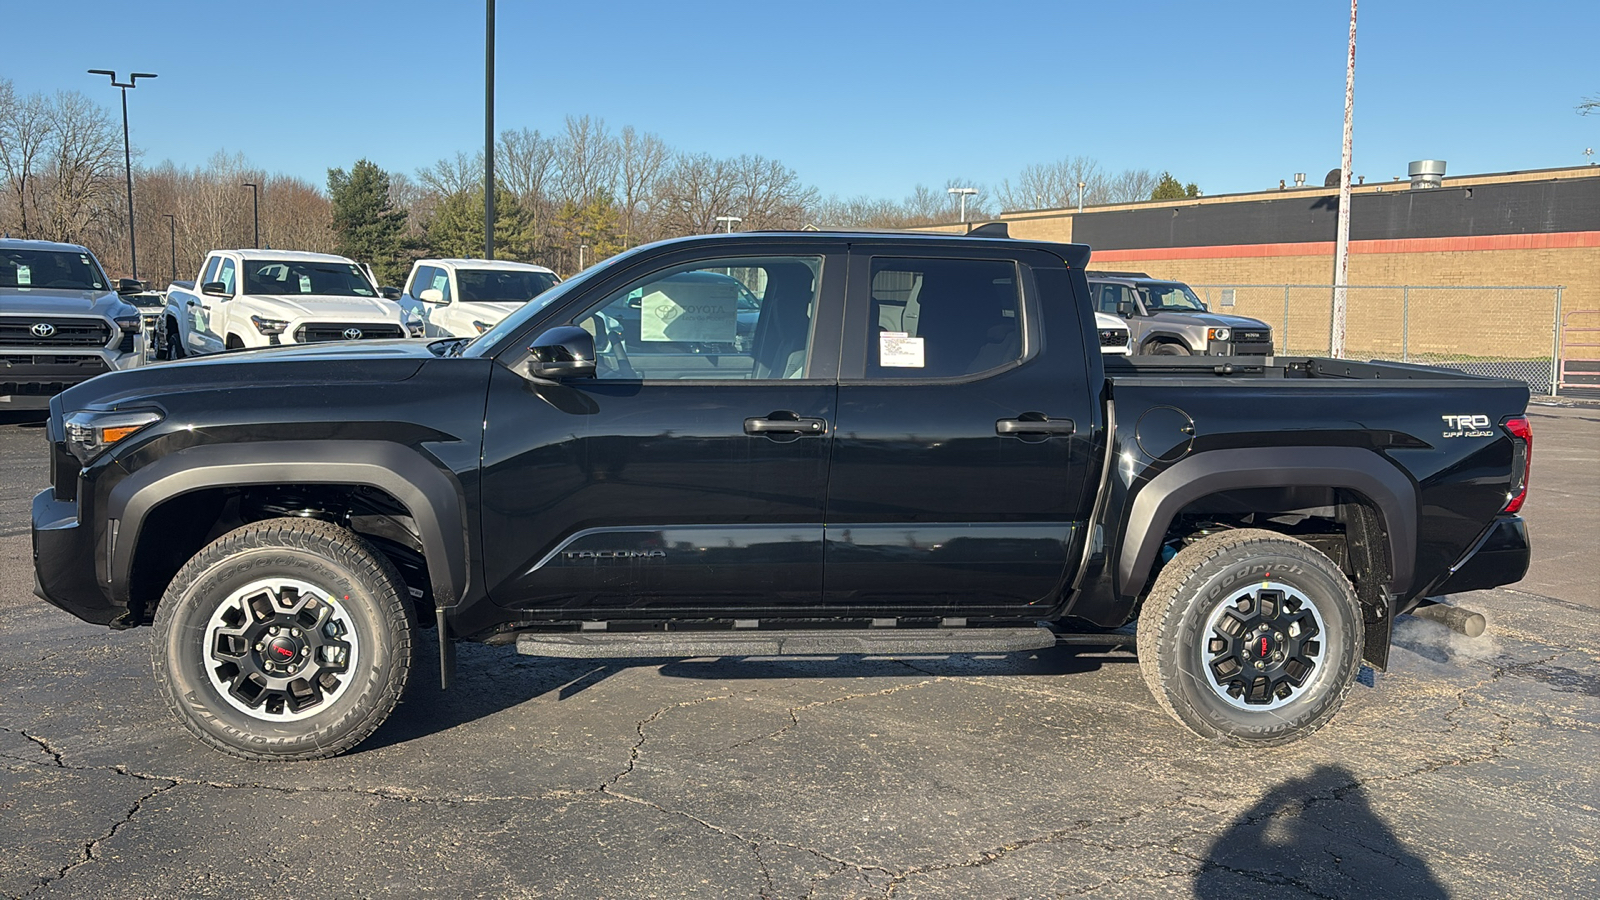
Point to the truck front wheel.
(284, 639)
(1251, 638)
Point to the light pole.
(727, 223)
(964, 194)
(172, 240)
(581, 249)
(1081, 186)
(127, 153)
(1341, 248)
(488, 129)
(255, 212)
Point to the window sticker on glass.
(24, 276)
(305, 284)
(898, 349)
(681, 309)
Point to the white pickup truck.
(466, 297)
(262, 298)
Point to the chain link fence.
(1509, 332)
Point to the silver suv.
(1167, 319)
(61, 321)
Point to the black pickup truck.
(916, 446)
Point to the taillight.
(1523, 448)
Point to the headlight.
(481, 326)
(130, 324)
(269, 326)
(1218, 334)
(91, 433)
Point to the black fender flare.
(1152, 338)
(1390, 489)
(432, 495)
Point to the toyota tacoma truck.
(61, 321)
(264, 298)
(920, 449)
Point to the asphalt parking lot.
(1468, 771)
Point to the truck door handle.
(1029, 426)
(783, 425)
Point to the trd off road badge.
(1466, 426)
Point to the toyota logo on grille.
(43, 329)
(352, 334)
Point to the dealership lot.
(1469, 772)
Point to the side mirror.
(431, 295)
(1126, 309)
(562, 352)
(215, 289)
(389, 293)
(129, 286)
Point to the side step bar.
(821, 642)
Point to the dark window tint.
(50, 269)
(211, 271)
(420, 280)
(496, 286)
(943, 318)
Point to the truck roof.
(1076, 255)
(503, 265)
(287, 255)
(23, 244)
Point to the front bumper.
(1501, 557)
(64, 561)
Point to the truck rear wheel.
(284, 639)
(1251, 638)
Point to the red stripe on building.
(1559, 241)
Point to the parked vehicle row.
(770, 444)
(62, 321)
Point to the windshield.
(1170, 298)
(68, 270)
(330, 279)
(498, 286)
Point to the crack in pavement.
(89, 848)
(794, 711)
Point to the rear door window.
(943, 318)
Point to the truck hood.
(58, 302)
(307, 365)
(488, 312)
(1218, 320)
(315, 306)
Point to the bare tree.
(1055, 185)
(641, 159)
(694, 190)
(767, 194)
(449, 177)
(24, 133)
(588, 161)
(1132, 186)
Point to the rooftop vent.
(1426, 173)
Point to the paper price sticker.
(899, 350)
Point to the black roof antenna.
(990, 229)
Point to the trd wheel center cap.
(282, 651)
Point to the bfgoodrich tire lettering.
(309, 591)
(1251, 638)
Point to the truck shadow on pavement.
(1317, 833)
(489, 680)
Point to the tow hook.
(1455, 618)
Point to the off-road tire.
(1173, 637)
(1167, 348)
(171, 343)
(361, 587)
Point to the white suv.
(263, 298)
(466, 297)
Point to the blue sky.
(865, 97)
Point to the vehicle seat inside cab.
(782, 332)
